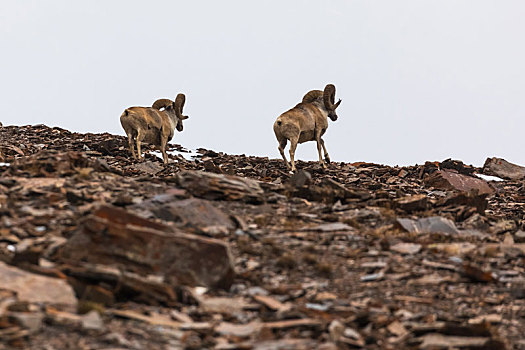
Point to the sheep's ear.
(184, 117)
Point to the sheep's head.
(175, 107)
(329, 99)
(178, 105)
(326, 97)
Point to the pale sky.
(420, 80)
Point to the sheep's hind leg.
(282, 145)
(131, 146)
(139, 153)
(293, 146)
(163, 144)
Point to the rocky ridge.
(217, 251)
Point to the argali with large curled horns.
(307, 121)
(155, 124)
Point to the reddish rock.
(452, 180)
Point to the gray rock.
(432, 224)
(92, 321)
(32, 321)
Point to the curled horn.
(161, 103)
(312, 96)
(179, 104)
(329, 98)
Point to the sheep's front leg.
(282, 145)
(326, 156)
(293, 146)
(131, 146)
(318, 141)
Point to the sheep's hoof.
(327, 159)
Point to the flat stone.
(36, 288)
(440, 341)
(406, 248)
(241, 331)
(333, 226)
(222, 305)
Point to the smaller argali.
(155, 124)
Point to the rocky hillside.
(217, 251)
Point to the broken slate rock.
(471, 199)
(192, 212)
(432, 224)
(501, 168)
(412, 203)
(115, 237)
(220, 187)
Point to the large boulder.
(501, 168)
(115, 237)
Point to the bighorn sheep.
(153, 125)
(307, 122)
